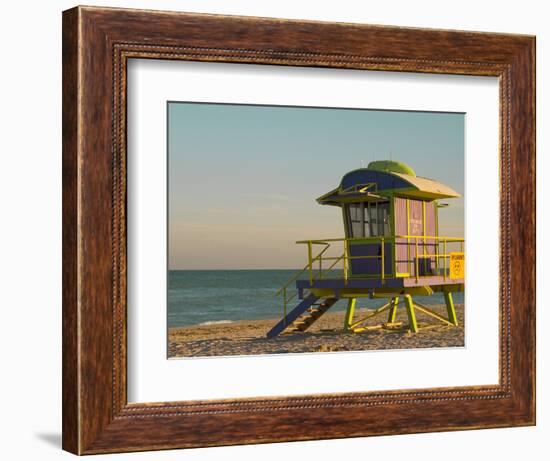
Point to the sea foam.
(215, 322)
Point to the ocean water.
(222, 296)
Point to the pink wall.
(415, 228)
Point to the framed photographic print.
(282, 230)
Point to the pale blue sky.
(243, 179)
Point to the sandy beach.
(326, 335)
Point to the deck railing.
(421, 250)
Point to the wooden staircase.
(311, 315)
(305, 314)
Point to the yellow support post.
(393, 250)
(429, 312)
(383, 268)
(436, 215)
(310, 263)
(416, 259)
(445, 259)
(393, 309)
(410, 314)
(348, 320)
(346, 261)
(451, 313)
(424, 235)
(408, 238)
(284, 305)
(354, 326)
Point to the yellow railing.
(424, 247)
(309, 267)
(316, 271)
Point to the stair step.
(301, 318)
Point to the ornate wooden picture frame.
(97, 44)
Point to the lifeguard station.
(392, 249)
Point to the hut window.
(372, 222)
(379, 219)
(369, 219)
(356, 219)
(383, 210)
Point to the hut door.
(422, 224)
(368, 221)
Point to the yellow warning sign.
(456, 270)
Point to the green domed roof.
(389, 166)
